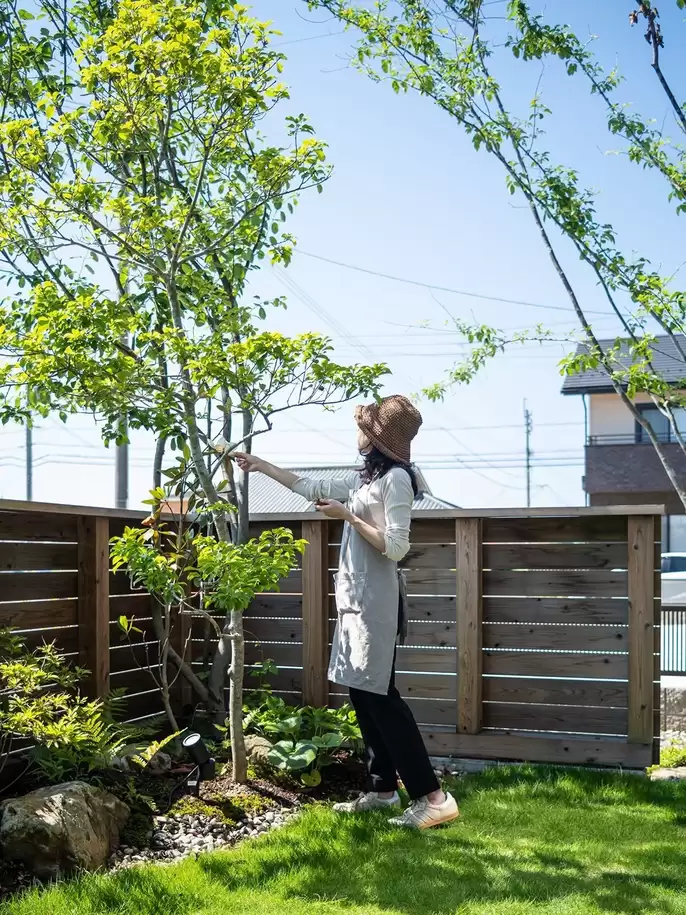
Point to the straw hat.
(390, 426)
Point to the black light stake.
(200, 756)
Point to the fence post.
(469, 625)
(94, 602)
(641, 537)
(315, 608)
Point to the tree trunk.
(238, 755)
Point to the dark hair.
(377, 464)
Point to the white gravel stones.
(176, 837)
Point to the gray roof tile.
(267, 496)
(667, 361)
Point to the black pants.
(393, 743)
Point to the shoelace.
(416, 809)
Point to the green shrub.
(40, 701)
(673, 756)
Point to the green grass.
(530, 842)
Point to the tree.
(137, 196)
(448, 52)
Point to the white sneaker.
(423, 815)
(368, 801)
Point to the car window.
(666, 564)
(677, 564)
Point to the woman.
(375, 505)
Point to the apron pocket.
(349, 592)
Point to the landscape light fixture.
(200, 756)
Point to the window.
(658, 423)
(674, 564)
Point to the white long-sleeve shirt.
(389, 499)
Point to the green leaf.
(328, 741)
(311, 779)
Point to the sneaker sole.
(448, 818)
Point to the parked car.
(674, 579)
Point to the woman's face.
(363, 443)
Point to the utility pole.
(29, 462)
(121, 468)
(528, 426)
(121, 460)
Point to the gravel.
(177, 837)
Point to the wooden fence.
(56, 584)
(534, 635)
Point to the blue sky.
(410, 198)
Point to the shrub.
(40, 702)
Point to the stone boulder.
(256, 749)
(66, 827)
(160, 764)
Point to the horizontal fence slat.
(559, 638)
(433, 530)
(44, 557)
(130, 605)
(134, 680)
(433, 711)
(276, 605)
(16, 586)
(145, 706)
(562, 692)
(510, 716)
(39, 614)
(422, 634)
(556, 556)
(67, 639)
(533, 664)
(570, 751)
(426, 686)
(128, 657)
(430, 581)
(582, 529)
(259, 527)
(288, 680)
(426, 660)
(281, 653)
(37, 526)
(420, 607)
(555, 584)
(273, 630)
(556, 610)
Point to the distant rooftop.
(667, 361)
(267, 496)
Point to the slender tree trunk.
(159, 458)
(164, 670)
(238, 755)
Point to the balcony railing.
(633, 439)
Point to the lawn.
(529, 842)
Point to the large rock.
(56, 830)
(160, 764)
(256, 749)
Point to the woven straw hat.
(390, 425)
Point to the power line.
(424, 285)
(321, 312)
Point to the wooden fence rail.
(533, 635)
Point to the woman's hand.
(248, 463)
(333, 509)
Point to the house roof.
(267, 496)
(667, 361)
